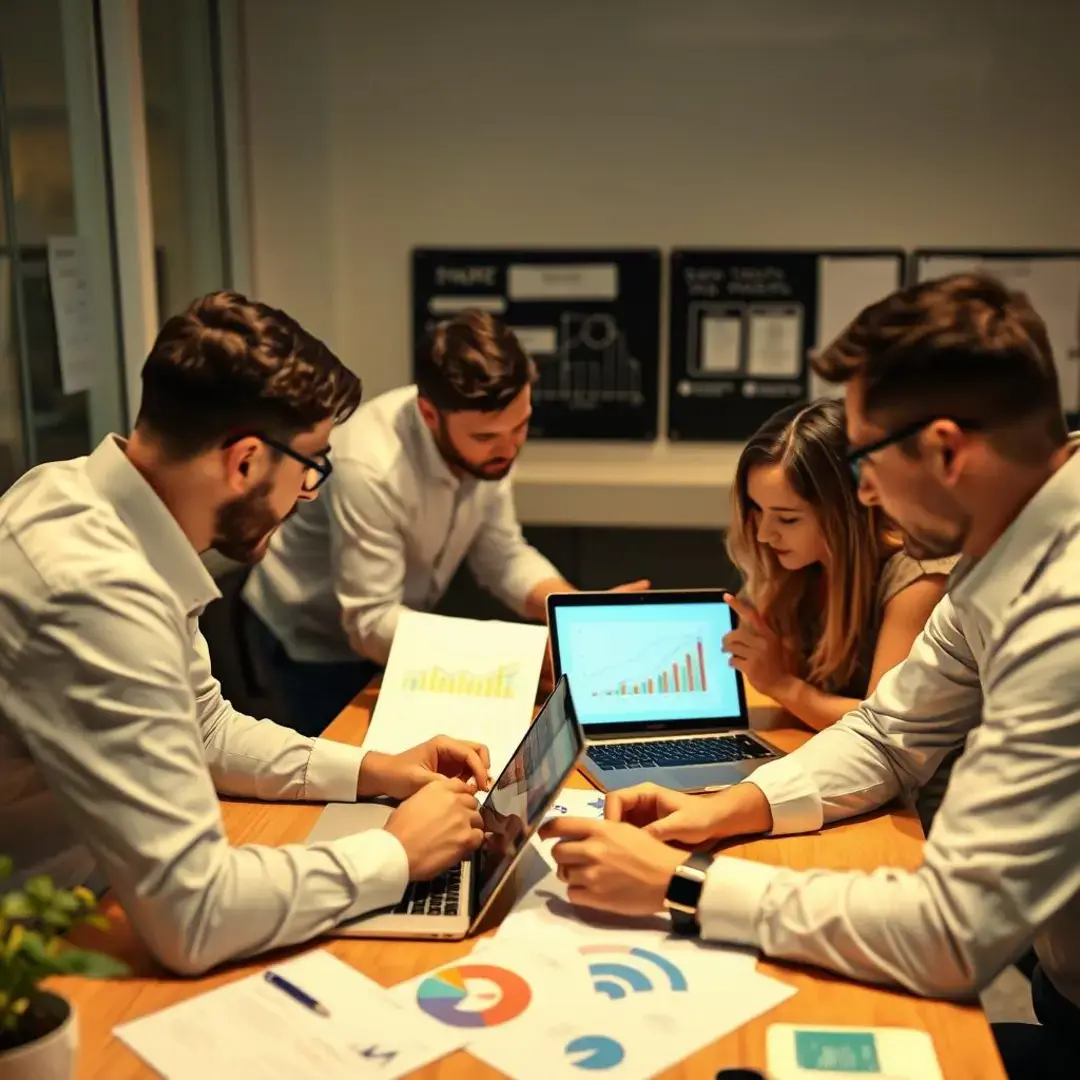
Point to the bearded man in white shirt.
(421, 484)
(113, 731)
(956, 429)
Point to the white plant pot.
(51, 1057)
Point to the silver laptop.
(654, 690)
(453, 905)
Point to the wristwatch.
(684, 893)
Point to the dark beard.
(243, 524)
(452, 458)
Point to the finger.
(675, 827)
(478, 770)
(569, 828)
(571, 853)
(641, 585)
(579, 896)
(744, 609)
(474, 839)
(467, 800)
(476, 821)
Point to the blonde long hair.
(810, 443)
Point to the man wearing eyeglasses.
(956, 429)
(113, 732)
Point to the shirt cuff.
(378, 867)
(730, 905)
(793, 797)
(333, 771)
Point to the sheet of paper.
(721, 344)
(578, 802)
(625, 1041)
(251, 1028)
(468, 678)
(497, 989)
(846, 285)
(775, 344)
(73, 312)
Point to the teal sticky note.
(837, 1051)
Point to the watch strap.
(684, 893)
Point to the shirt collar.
(166, 547)
(991, 582)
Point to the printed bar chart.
(686, 675)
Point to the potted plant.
(38, 1038)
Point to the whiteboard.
(847, 283)
(1051, 281)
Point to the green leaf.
(40, 889)
(57, 920)
(98, 922)
(66, 902)
(94, 965)
(7, 866)
(15, 905)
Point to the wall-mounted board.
(744, 322)
(590, 318)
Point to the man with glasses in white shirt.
(422, 483)
(113, 731)
(956, 429)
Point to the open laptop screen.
(648, 659)
(518, 800)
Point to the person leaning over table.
(830, 600)
(956, 430)
(422, 482)
(113, 731)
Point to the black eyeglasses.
(318, 472)
(856, 457)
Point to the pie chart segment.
(594, 1052)
(453, 995)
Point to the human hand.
(641, 585)
(437, 827)
(676, 818)
(756, 650)
(611, 866)
(402, 775)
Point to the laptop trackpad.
(344, 819)
(684, 778)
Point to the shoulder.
(379, 433)
(901, 570)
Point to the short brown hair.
(964, 346)
(472, 363)
(230, 365)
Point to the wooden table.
(961, 1034)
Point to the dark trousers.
(312, 694)
(1049, 1050)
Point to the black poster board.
(590, 318)
(744, 322)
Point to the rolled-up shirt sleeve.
(367, 557)
(126, 752)
(1001, 857)
(501, 559)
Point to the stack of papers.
(467, 678)
(251, 1028)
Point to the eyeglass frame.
(856, 457)
(322, 469)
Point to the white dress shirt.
(388, 532)
(114, 734)
(998, 666)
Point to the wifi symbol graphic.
(630, 970)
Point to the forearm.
(535, 605)
(816, 708)
(218, 903)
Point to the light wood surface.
(961, 1034)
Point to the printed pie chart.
(474, 995)
(594, 1052)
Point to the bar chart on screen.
(680, 669)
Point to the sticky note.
(837, 1051)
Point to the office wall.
(375, 127)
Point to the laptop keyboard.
(665, 753)
(440, 896)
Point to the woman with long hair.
(830, 600)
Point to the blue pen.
(274, 979)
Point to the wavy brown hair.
(810, 443)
